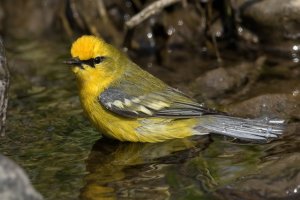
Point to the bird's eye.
(98, 59)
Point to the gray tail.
(244, 129)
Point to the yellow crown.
(88, 46)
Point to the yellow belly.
(135, 130)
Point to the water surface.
(66, 158)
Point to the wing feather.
(164, 104)
(140, 95)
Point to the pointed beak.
(73, 62)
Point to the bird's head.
(93, 59)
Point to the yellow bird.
(127, 103)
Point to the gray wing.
(139, 94)
(165, 103)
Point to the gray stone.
(272, 20)
(14, 183)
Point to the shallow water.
(66, 158)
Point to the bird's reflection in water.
(120, 170)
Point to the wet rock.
(222, 81)
(14, 183)
(272, 20)
(27, 19)
(4, 84)
(278, 179)
(268, 105)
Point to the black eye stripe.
(91, 62)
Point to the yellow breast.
(105, 121)
(134, 130)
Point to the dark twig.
(104, 17)
(76, 14)
(4, 83)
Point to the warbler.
(129, 104)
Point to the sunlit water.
(66, 158)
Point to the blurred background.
(239, 56)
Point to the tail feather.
(244, 129)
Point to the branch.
(150, 10)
